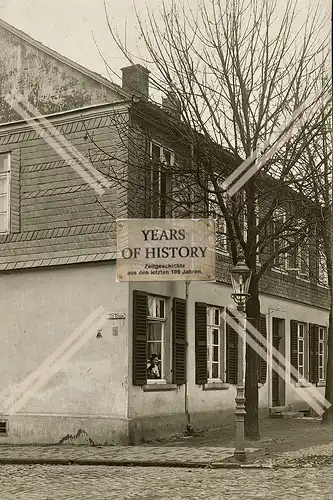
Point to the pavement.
(159, 456)
(283, 445)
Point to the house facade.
(76, 341)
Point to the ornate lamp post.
(240, 279)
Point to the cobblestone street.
(125, 483)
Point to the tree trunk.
(252, 367)
(328, 415)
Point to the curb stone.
(142, 463)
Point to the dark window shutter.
(200, 343)
(313, 353)
(293, 347)
(232, 353)
(179, 341)
(140, 313)
(263, 362)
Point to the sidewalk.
(284, 443)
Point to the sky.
(68, 26)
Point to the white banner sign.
(165, 250)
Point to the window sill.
(215, 386)
(280, 271)
(159, 387)
(321, 383)
(303, 278)
(303, 384)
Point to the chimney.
(135, 80)
(171, 105)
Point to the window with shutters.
(4, 193)
(156, 339)
(159, 183)
(158, 344)
(215, 344)
(321, 353)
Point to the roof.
(52, 53)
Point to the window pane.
(3, 184)
(160, 308)
(167, 157)
(215, 336)
(154, 331)
(208, 352)
(301, 330)
(150, 307)
(300, 369)
(321, 334)
(300, 359)
(321, 348)
(154, 348)
(300, 346)
(215, 370)
(3, 223)
(156, 154)
(321, 373)
(4, 163)
(215, 353)
(3, 202)
(216, 317)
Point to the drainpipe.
(189, 430)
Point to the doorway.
(278, 383)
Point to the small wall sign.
(115, 316)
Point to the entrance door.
(278, 383)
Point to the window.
(159, 182)
(215, 344)
(215, 212)
(156, 338)
(4, 192)
(278, 236)
(322, 268)
(154, 334)
(303, 255)
(300, 348)
(221, 234)
(321, 353)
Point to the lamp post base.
(240, 456)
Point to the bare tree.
(237, 70)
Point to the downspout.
(189, 430)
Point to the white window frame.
(302, 248)
(282, 268)
(163, 163)
(321, 355)
(154, 318)
(6, 175)
(220, 222)
(212, 311)
(301, 340)
(322, 269)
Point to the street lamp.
(240, 279)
